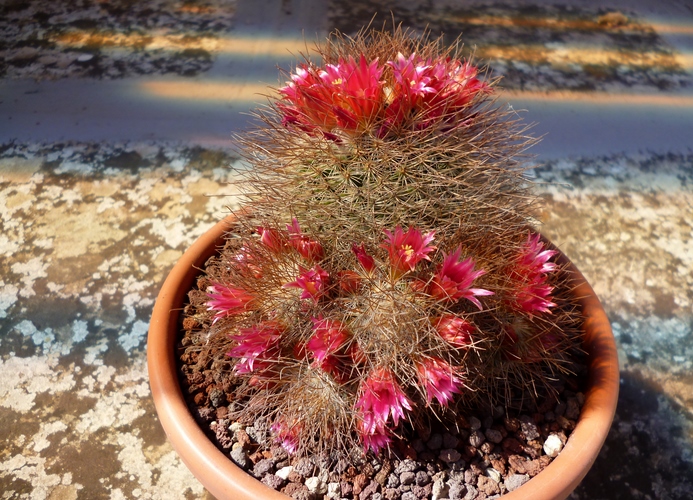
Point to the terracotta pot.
(227, 481)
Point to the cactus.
(385, 270)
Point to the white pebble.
(493, 474)
(284, 472)
(333, 490)
(440, 489)
(316, 485)
(553, 445)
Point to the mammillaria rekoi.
(382, 274)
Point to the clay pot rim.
(225, 480)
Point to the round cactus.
(385, 270)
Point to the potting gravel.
(486, 456)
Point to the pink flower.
(439, 380)
(328, 337)
(248, 263)
(411, 76)
(313, 283)
(349, 281)
(358, 90)
(227, 300)
(309, 249)
(431, 89)
(366, 261)
(286, 434)
(271, 238)
(381, 398)
(351, 95)
(455, 330)
(346, 95)
(256, 346)
(454, 279)
(455, 85)
(375, 440)
(407, 249)
(533, 293)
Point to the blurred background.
(116, 153)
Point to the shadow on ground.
(648, 453)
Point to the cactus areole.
(385, 272)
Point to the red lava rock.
(488, 486)
(533, 449)
(422, 491)
(391, 494)
(512, 445)
(381, 476)
(406, 451)
(274, 482)
(294, 477)
(518, 464)
(243, 438)
(369, 490)
(222, 411)
(360, 482)
(297, 491)
(499, 465)
(512, 424)
(534, 467)
(346, 488)
(468, 452)
(255, 457)
(200, 398)
(487, 447)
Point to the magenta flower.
(366, 261)
(374, 440)
(411, 76)
(347, 95)
(286, 434)
(534, 293)
(271, 238)
(439, 380)
(328, 337)
(309, 249)
(407, 249)
(349, 281)
(431, 89)
(248, 263)
(256, 346)
(227, 300)
(358, 90)
(455, 330)
(313, 282)
(381, 398)
(454, 279)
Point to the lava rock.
(514, 481)
(263, 467)
(435, 442)
(493, 435)
(240, 457)
(407, 478)
(449, 456)
(476, 438)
